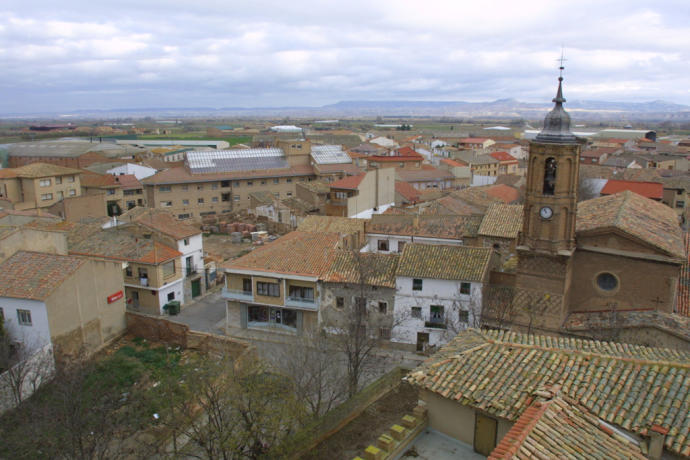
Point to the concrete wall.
(34, 336)
(79, 313)
(76, 208)
(349, 292)
(28, 239)
(456, 420)
(377, 189)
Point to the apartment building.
(38, 185)
(361, 196)
(275, 288)
(153, 274)
(212, 182)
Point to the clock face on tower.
(546, 212)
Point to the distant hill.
(499, 109)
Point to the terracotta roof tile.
(160, 220)
(652, 190)
(35, 275)
(631, 386)
(451, 162)
(332, 224)
(90, 179)
(429, 226)
(128, 182)
(349, 267)
(650, 221)
(407, 191)
(297, 253)
(504, 157)
(444, 262)
(505, 193)
(561, 428)
(502, 221)
(34, 170)
(349, 183)
(119, 244)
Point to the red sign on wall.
(113, 297)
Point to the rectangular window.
(186, 241)
(185, 187)
(225, 197)
(128, 271)
(47, 197)
(247, 285)
(164, 188)
(263, 182)
(199, 187)
(60, 195)
(143, 273)
(416, 284)
(416, 312)
(185, 202)
(72, 192)
(680, 204)
(214, 186)
(385, 333)
(171, 296)
(70, 178)
(464, 316)
(436, 314)
(110, 191)
(288, 180)
(339, 302)
(24, 317)
(58, 180)
(302, 293)
(166, 204)
(383, 245)
(225, 183)
(289, 194)
(214, 199)
(236, 183)
(401, 246)
(169, 269)
(268, 289)
(200, 200)
(465, 288)
(383, 308)
(184, 216)
(276, 181)
(236, 198)
(250, 183)
(44, 182)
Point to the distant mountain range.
(499, 109)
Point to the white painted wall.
(195, 249)
(366, 214)
(139, 171)
(394, 241)
(177, 287)
(33, 337)
(434, 292)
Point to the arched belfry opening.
(550, 169)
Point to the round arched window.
(607, 281)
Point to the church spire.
(557, 122)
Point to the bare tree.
(498, 305)
(229, 410)
(356, 331)
(318, 377)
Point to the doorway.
(196, 288)
(422, 341)
(484, 433)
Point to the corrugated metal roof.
(236, 160)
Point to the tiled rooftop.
(673, 324)
(444, 262)
(35, 275)
(34, 170)
(349, 182)
(426, 173)
(350, 267)
(502, 192)
(408, 192)
(297, 253)
(653, 190)
(502, 221)
(119, 244)
(332, 224)
(501, 373)
(648, 220)
(160, 220)
(561, 428)
(430, 226)
(180, 174)
(90, 179)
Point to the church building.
(605, 268)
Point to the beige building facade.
(38, 185)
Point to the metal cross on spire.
(562, 59)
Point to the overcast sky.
(93, 54)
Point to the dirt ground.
(365, 429)
(222, 246)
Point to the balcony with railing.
(301, 302)
(238, 294)
(435, 324)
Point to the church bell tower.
(546, 243)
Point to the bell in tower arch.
(550, 167)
